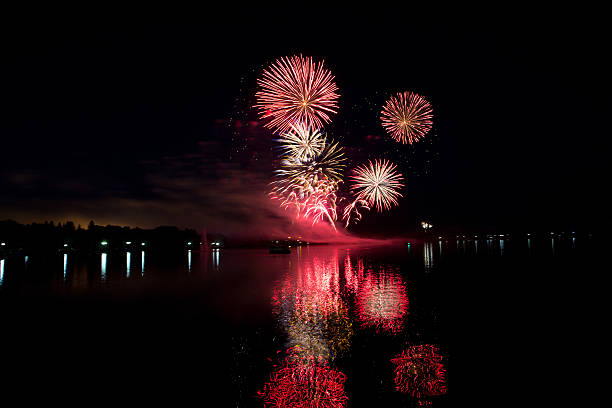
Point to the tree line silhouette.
(50, 236)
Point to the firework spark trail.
(302, 142)
(407, 117)
(309, 184)
(378, 184)
(296, 90)
(353, 208)
(315, 200)
(322, 206)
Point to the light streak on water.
(189, 261)
(128, 260)
(103, 266)
(65, 265)
(428, 255)
(1, 271)
(552, 245)
(215, 258)
(142, 263)
(501, 246)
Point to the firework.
(328, 164)
(407, 117)
(302, 142)
(378, 184)
(310, 184)
(296, 89)
(419, 372)
(351, 211)
(302, 383)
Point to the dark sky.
(140, 116)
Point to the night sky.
(142, 116)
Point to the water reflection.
(428, 255)
(65, 265)
(308, 305)
(419, 372)
(501, 246)
(103, 266)
(215, 258)
(189, 261)
(382, 302)
(353, 276)
(142, 263)
(1, 271)
(304, 383)
(128, 261)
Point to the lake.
(452, 322)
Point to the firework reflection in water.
(419, 372)
(382, 302)
(305, 383)
(310, 310)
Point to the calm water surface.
(440, 323)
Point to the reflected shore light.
(142, 263)
(215, 258)
(189, 261)
(65, 265)
(1, 271)
(103, 266)
(128, 260)
(428, 255)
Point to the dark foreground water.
(441, 323)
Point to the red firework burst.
(296, 90)
(419, 372)
(303, 383)
(407, 117)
